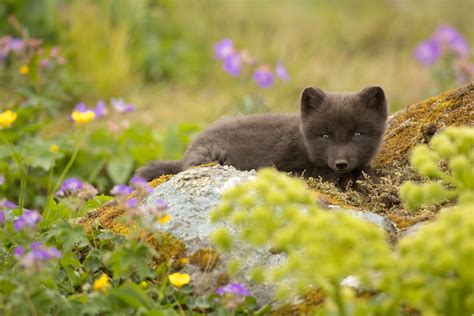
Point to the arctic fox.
(335, 136)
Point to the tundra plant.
(322, 247)
(455, 147)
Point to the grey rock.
(192, 195)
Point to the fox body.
(335, 136)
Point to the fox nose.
(341, 164)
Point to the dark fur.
(294, 142)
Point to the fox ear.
(374, 98)
(311, 99)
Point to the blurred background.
(165, 69)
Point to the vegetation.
(90, 90)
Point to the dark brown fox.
(335, 136)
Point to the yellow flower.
(54, 148)
(143, 284)
(179, 279)
(102, 283)
(24, 70)
(82, 118)
(164, 219)
(7, 118)
(184, 260)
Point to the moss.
(310, 302)
(206, 259)
(169, 248)
(156, 182)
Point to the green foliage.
(436, 264)
(279, 212)
(453, 147)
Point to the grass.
(338, 46)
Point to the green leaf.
(131, 295)
(119, 168)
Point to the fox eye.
(357, 135)
(325, 136)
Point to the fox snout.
(341, 159)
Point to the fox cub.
(335, 136)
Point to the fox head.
(343, 131)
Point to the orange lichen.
(310, 302)
(206, 259)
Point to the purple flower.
(139, 183)
(2, 179)
(263, 77)
(448, 35)
(28, 219)
(2, 217)
(69, 186)
(281, 72)
(120, 106)
(131, 203)
(223, 49)
(18, 251)
(100, 109)
(234, 289)
(161, 204)
(45, 63)
(81, 107)
(233, 64)
(16, 44)
(4, 203)
(428, 52)
(121, 189)
(38, 253)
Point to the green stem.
(339, 300)
(64, 172)
(16, 158)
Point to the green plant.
(453, 148)
(322, 247)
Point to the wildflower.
(121, 189)
(223, 49)
(81, 107)
(69, 187)
(82, 118)
(102, 283)
(234, 289)
(164, 219)
(132, 203)
(281, 72)
(16, 44)
(100, 109)
(29, 219)
(139, 183)
(428, 52)
(263, 77)
(143, 284)
(179, 279)
(54, 148)
(184, 260)
(45, 63)
(448, 36)
(232, 64)
(120, 106)
(2, 217)
(18, 251)
(2, 179)
(24, 70)
(7, 118)
(5, 204)
(161, 204)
